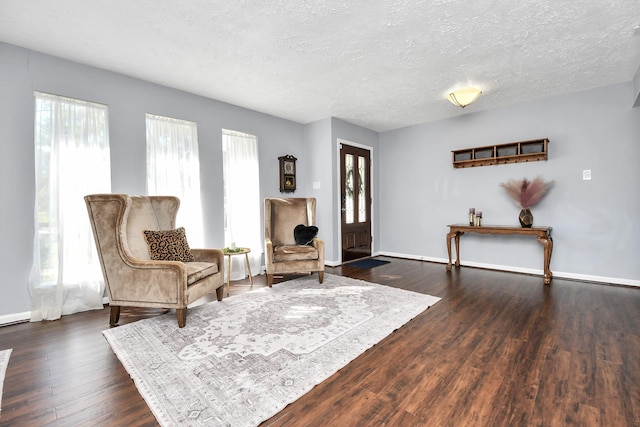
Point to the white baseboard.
(539, 272)
(599, 279)
(9, 319)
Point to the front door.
(355, 187)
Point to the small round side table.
(238, 251)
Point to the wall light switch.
(586, 174)
(316, 185)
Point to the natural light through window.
(173, 169)
(72, 160)
(241, 171)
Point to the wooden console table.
(543, 235)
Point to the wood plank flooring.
(499, 349)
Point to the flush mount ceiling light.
(464, 96)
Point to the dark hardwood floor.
(499, 349)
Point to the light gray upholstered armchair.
(131, 277)
(282, 254)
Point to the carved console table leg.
(449, 237)
(547, 243)
(453, 235)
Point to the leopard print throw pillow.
(168, 245)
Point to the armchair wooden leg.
(181, 313)
(115, 315)
(220, 292)
(321, 276)
(270, 280)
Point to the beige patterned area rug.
(4, 362)
(240, 361)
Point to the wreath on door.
(349, 178)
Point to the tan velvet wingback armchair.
(282, 254)
(131, 277)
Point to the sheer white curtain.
(173, 169)
(72, 160)
(242, 199)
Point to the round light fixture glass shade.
(464, 96)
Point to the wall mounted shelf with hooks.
(514, 152)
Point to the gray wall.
(23, 71)
(416, 190)
(636, 88)
(319, 174)
(595, 223)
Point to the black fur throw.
(304, 235)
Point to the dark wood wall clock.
(287, 173)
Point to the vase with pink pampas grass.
(526, 194)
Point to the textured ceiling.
(381, 64)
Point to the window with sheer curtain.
(242, 199)
(173, 169)
(71, 160)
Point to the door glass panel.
(349, 187)
(362, 190)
